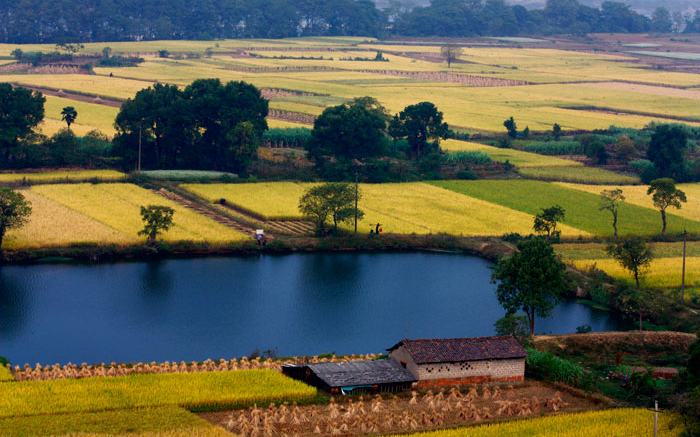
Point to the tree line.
(60, 21)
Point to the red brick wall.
(466, 381)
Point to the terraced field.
(552, 86)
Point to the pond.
(299, 304)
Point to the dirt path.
(199, 209)
(290, 227)
(73, 96)
(391, 414)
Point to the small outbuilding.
(459, 361)
(353, 376)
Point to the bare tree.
(450, 53)
(610, 201)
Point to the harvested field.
(440, 76)
(391, 414)
(645, 89)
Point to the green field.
(585, 175)
(581, 208)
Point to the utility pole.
(656, 415)
(139, 163)
(685, 238)
(356, 197)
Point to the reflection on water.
(301, 304)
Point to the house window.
(403, 364)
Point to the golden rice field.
(62, 176)
(663, 273)
(518, 158)
(638, 196)
(187, 390)
(107, 213)
(609, 423)
(53, 224)
(91, 116)
(400, 208)
(149, 421)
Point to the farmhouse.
(456, 361)
(353, 376)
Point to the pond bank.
(490, 248)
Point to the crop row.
(56, 371)
(61, 176)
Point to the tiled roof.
(353, 373)
(450, 350)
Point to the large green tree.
(334, 202)
(546, 221)
(21, 110)
(421, 125)
(667, 150)
(665, 195)
(347, 132)
(531, 280)
(156, 220)
(634, 254)
(14, 211)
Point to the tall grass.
(555, 147)
(549, 367)
(467, 157)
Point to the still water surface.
(300, 304)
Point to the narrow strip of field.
(581, 208)
(663, 272)
(588, 175)
(404, 208)
(645, 89)
(516, 157)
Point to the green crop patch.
(581, 208)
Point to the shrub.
(549, 367)
(467, 157)
(517, 326)
(297, 137)
(600, 295)
(645, 169)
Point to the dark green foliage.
(693, 365)
(555, 147)
(667, 150)
(200, 127)
(645, 169)
(334, 201)
(511, 127)
(120, 61)
(348, 131)
(633, 253)
(157, 219)
(548, 367)
(531, 280)
(3, 361)
(296, 137)
(21, 110)
(513, 325)
(556, 131)
(69, 114)
(421, 124)
(14, 211)
(546, 221)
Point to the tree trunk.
(2, 236)
(636, 278)
(640, 320)
(663, 220)
(531, 317)
(615, 224)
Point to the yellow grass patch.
(54, 224)
(515, 157)
(66, 175)
(663, 273)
